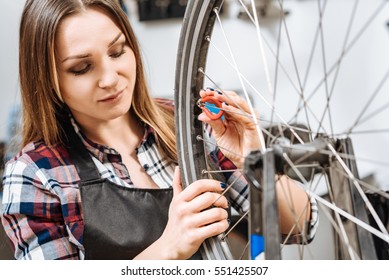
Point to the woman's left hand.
(237, 134)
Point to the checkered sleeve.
(32, 214)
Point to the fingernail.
(226, 103)
(211, 89)
(229, 221)
(223, 185)
(219, 92)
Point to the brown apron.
(119, 222)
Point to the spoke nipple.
(344, 219)
(201, 70)
(199, 138)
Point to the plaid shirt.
(41, 199)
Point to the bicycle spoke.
(324, 63)
(344, 52)
(260, 135)
(358, 187)
(337, 71)
(371, 229)
(359, 119)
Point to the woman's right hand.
(195, 214)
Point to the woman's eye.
(118, 53)
(82, 70)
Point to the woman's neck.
(122, 134)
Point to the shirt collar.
(100, 151)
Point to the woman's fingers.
(217, 125)
(236, 115)
(235, 107)
(210, 216)
(229, 97)
(177, 187)
(212, 229)
(199, 198)
(207, 200)
(201, 186)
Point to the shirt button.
(146, 167)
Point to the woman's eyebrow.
(80, 56)
(115, 40)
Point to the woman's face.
(96, 67)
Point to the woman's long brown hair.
(42, 104)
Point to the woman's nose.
(109, 76)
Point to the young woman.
(97, 176)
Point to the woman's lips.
(112, 98)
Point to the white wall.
(159, 42)
(9, 31)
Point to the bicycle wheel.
(317, 71)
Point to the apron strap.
(82, 160)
